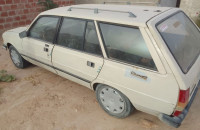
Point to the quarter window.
(126, 44)
(72, 33)
(44, 29)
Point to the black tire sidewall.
(128, 106)
(21, 65)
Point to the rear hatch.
(182, 38)
(181, 48)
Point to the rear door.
(134, 67)
(38, 45)
(77, 54)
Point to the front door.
(77, 54)
(38, 45)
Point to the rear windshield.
(182, 38)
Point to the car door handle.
(91, 64)
(46, 49)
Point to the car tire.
(17, 59)
(113, 101)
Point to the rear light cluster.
(182, 101)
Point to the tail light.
(182, 101)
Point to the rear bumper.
(176, 121)
(4, 47)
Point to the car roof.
(110, 13)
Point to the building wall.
(15, 13)
(192, 8)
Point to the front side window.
(44, 29)
(182, 38)
(126, 44)
(72, 33)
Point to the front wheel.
(17, 59)
(113, 101)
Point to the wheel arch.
(12, 38)
(94, 86)
(8, 45)
(121, 89)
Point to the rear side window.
(126, 44)
(44, 29)
(72, 33)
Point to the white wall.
(191, 7)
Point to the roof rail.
(156, 2)
(96, 11)
(126, 2)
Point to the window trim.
(118, 60)
(100, 56)
(59, 20)
(156, 26)
(133, 65)
(83, 51)
(97, 39)
(83, 45)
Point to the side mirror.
(23, 34)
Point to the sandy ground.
(41, 100)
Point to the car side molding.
(76, 76)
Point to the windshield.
(182, 38)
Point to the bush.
(4, 77)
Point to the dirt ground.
(41, 100)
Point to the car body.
(136, 50)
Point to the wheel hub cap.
(111, 100)
(15, 57)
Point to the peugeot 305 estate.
(134, 57)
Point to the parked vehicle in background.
(133, 57)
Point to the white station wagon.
(133, 57)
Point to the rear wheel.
(113, 101)
(17, 59)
